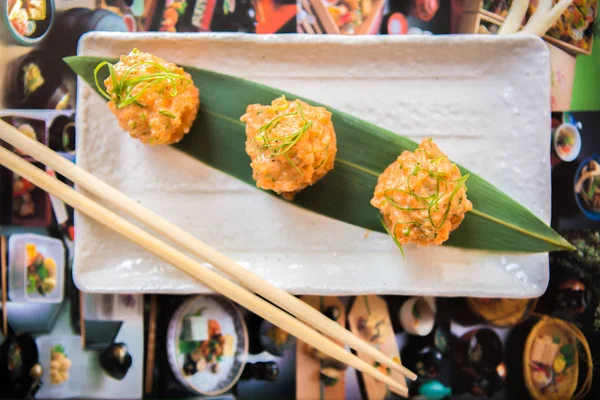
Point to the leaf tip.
(68, 60)
(565, 245)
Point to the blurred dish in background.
(587, 187)
(22, 203)
(479, 349)
(26, 22)
(350, 14)
(179, 15)
(350, 17)
(502, 312)
(18, 356)
(576, 24)
(173, 11)
(417, 315)
(567, 142)
(207, 344)
(34, 81)
(551, 360)
(64, 366)
(59, 365)
(41, 272)
(36, 269)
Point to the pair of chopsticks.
(215, 281)
(544, 17)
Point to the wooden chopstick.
(188, 265)
(189, 242)
(4, 277)
(151, 346)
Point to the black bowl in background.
(61, 135)
(17, 382)
(480, 349)
(73, 23)
(116, 360)
(16, 76)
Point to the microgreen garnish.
(324, 159)
(393, 236)
(429, 202)
(127, 90)
(58, 349)
(143, 116)
(280, 146)
(167, 114)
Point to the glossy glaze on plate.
(484, 99)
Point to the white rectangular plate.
(485, 99)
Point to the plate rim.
(527, 40)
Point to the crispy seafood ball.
(291, 145)
(153, 100)
(59, 367)
(422, 196)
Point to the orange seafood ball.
(291, 145)
(154, 100)
(422, 196)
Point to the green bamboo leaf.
(217, 138)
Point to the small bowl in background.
(417, 315)
(22, 27)
(566, 142)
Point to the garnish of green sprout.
(167, 113)
(277, 146)
(431, 203)
(123, 91)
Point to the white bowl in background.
(575, 148)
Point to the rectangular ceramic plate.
(485, 99)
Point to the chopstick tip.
(404, 371)
(401, 391)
